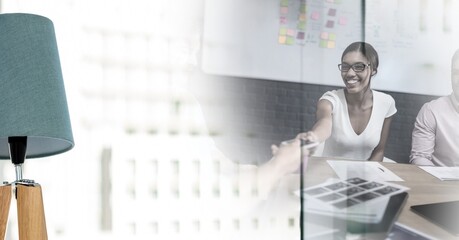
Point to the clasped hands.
(288, 155)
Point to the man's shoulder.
(440, 102)
(436, 107)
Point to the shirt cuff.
(422, 162)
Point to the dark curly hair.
(367, 50)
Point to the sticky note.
(332, 36)
(290, 40)
(324, 35)
(331, 44)
(284, 10)
(315, 15)
(332, 12)
(300, 35)
(301, 25)
(282, 39)
(290, 32)
(283, 31)
(284, 3)
(323, 43)
(283, 20)
(302, 17)
(303, 8)
(330, 24)
(342, 21)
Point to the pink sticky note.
(342, 21)
(290, 32)
(283, 20)
(324, 35)
(284, 10)
(315, 16)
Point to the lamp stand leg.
(31, 213)
(5, 201)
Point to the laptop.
(393, 210)
(444, 214)
(371, 230)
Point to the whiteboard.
(302, 40)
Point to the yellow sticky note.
(282, 39)
(331, 44)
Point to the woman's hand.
(309, 136)
(274, 149)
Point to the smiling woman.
(354, 122)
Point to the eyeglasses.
(357, 67)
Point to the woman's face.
(356, 72)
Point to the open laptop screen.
(393, 209)
(444, 214)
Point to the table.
(424, 188)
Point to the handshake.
(308, 143)
(287, 157)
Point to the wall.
(302, 41)
(257, 113)
(297, 44)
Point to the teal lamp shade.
(33, 103)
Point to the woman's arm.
(323, 125)
(378, 152)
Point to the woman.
(354, 122)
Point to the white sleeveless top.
(344, 142)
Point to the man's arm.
(265, 177)
(423, 137)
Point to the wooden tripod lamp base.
(5, 201)
(30, 210)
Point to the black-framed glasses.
(357, 67)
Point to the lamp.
(34, 118)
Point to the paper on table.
(362, 169)
(442, 173)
